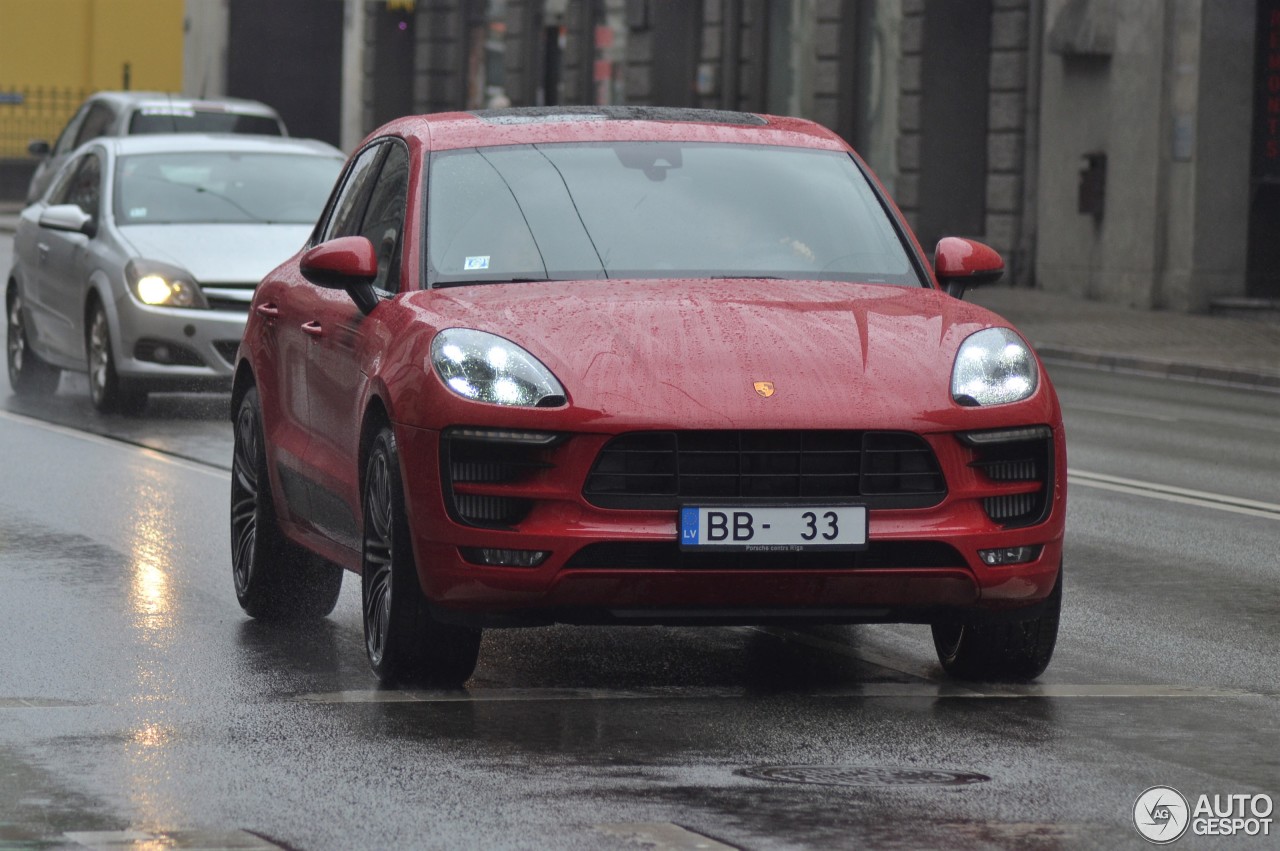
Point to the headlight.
(486, 368)
(993, 367)
(162, 285)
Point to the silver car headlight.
(163, 285)
(486, 368)
(993, 367)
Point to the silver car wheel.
(17, 337)
(99, 356)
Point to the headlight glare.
(484, 367)
(993, 367)
(163, 285)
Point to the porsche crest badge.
(765, 388)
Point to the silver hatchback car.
(139, 262)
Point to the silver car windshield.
(657, 210)
(222, 188)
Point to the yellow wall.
(86, 43)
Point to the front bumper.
(174, 347)
(606, 565)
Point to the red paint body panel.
(639, 356)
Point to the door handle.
(269, 310)
(315, 329)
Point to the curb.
(1153, 367)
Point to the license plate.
(773, 528)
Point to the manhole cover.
(861, 775)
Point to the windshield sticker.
(137, 212)
(473, 264)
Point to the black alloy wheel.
(1017, 651)
(404, 641)
(275, 579)
(29, 375)
(108, 392)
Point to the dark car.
(132, 113)
(603, 365)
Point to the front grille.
(661, 555)
(472, 464)
(661, 470)
(229, 297)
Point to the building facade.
(1158, 184)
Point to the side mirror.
(961, 263)
(70, 218)
(39, 148)
(346, 263)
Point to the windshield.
(180, 120)
(657, 210)
(217, 187)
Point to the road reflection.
(189, 425)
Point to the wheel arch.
(376, 415)
(243, 380)
(94, 296)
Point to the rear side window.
(97, 122)
(177, 120)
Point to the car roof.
(162, 143)
(547, 124)
(170, 100)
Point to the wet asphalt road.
(138, 704)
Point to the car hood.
(224, 254)
(837, 355)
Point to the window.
(67, 137)
(383, 221)
(658, 210)
(96, 123)
(347, 208)
(169, 119)
(222, 187)
(81, 185)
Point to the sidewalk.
(1214, 349)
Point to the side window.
(348, 207)
(70, 132)
(95, 123)
(81, 185)
(384, 219)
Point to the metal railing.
(35, 112)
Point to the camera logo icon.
(1161, 815)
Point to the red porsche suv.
(639, 366)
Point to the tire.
(1004, 652)
(275, 579)
(108, 392)
(404, 642)
(29, 375)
